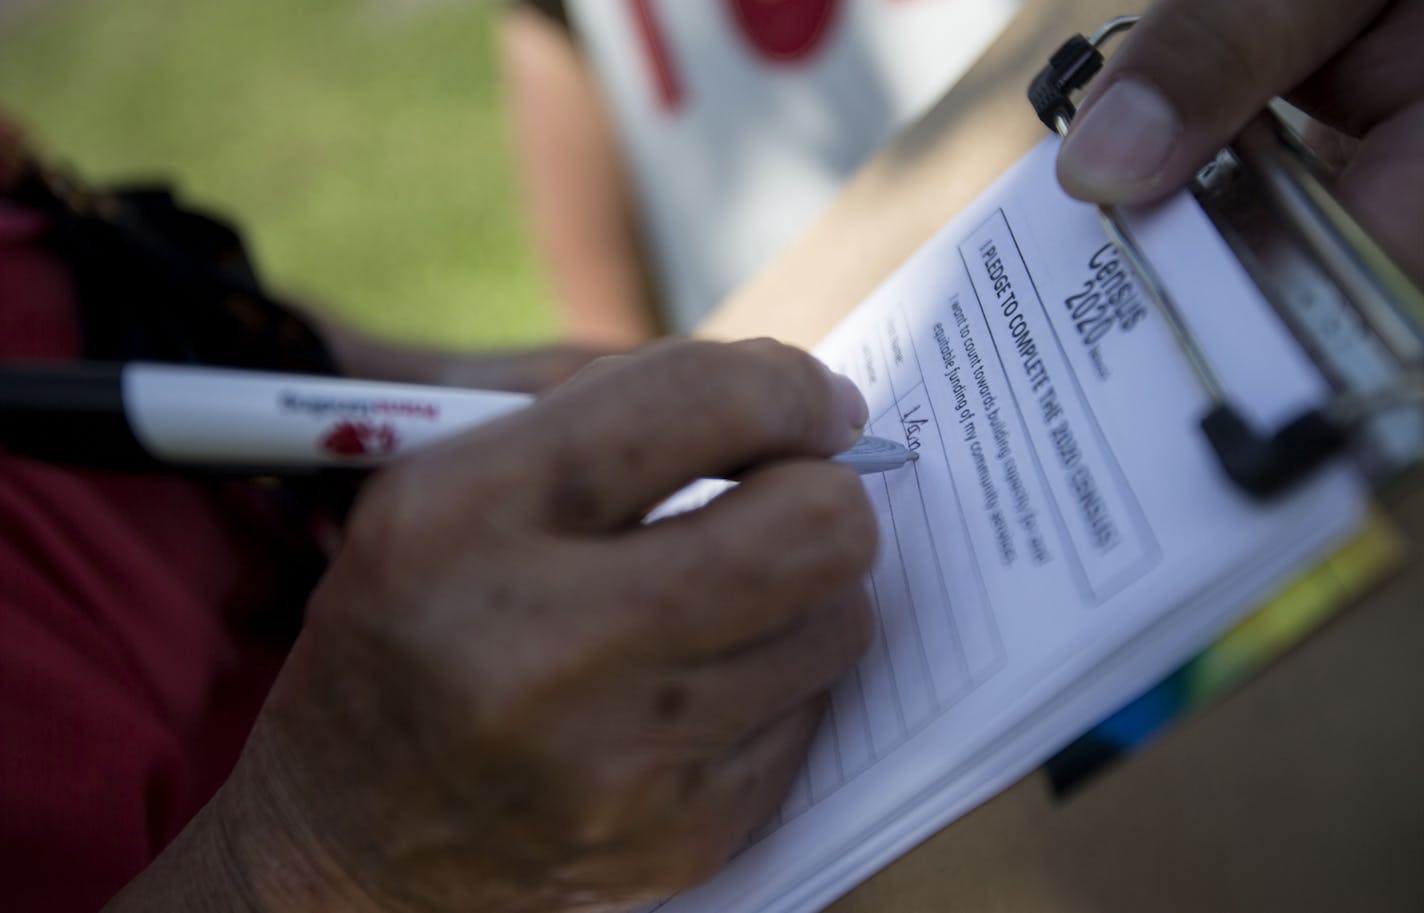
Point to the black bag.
(161, 282)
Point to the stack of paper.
(1065, 538)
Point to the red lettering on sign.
(780, 31)
(785, 31)
(669, 87)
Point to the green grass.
(362, 144)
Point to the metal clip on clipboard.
(1357, 315)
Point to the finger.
(1374, 89)
(731, 697)
(751, 563)
(1187, 78)
(603, 451)
(530, 371)
(1383, 187)
(1379, 75)
(601, 367)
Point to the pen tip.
(914, 455)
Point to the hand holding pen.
(550, 703)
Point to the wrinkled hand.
(1193, 72)
(512, 695)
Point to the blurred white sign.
(741, 118)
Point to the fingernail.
(1119, 142)
(852, 405)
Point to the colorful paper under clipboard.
(1283, 621)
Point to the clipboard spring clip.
(1265, 463)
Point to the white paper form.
(1065, 536)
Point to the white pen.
(145, 414)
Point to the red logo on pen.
(352, 438)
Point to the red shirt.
(130, 667)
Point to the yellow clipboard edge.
(1299, 607)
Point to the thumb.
(1187, 78)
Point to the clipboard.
(1225, 810)
(1358, 318)
(1355, 313)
